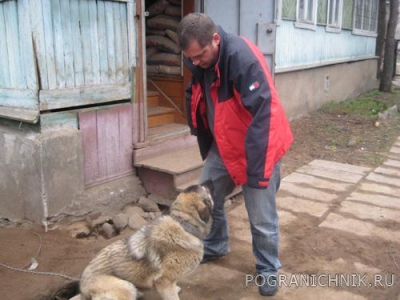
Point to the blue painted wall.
(297, 47)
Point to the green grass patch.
(365, 105)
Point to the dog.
(158, 255)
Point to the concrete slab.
(174, 162)
(219, 283)
(379, 188)
(309, 193)
(340, 167)
(384, 179)
(395, 149)
(388, 171)
(303, 206)
(392, 163)
(285, 217)
(376, 199)
(360, 228)
(297, 286)
(365, 211)
(239, 226)
(393, 156)
(324, 172)
(316, 182)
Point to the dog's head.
(194, 203)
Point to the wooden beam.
(72, 97)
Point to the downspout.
(43, 190)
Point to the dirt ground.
(332, 133)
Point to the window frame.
(362, 31)
(337, 26)
(304, 23)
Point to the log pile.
(163, 54)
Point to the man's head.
(199, 39)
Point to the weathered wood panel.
(86, 43)
(18, 81)
(60, 98)
(58, 120)
(107, 143)
(12, 72)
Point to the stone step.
(163, 173)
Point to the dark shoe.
(269, 286)
(208, 258)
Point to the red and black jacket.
(250, 126)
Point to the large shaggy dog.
(157, 255)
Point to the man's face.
(203, 57)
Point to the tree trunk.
(390, 47)
(380, 40)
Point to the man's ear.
(216, 39)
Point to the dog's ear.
(205, 214)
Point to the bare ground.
(329, 134)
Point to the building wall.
(307, 90)
(297, 47)
(42, 178)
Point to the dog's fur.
(157, 255)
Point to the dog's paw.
(139, 294)
(178, 289)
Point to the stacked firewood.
(163, 54)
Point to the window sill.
(364, 33)
(307, 26)
(333, 29)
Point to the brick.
(365, 211)
(317, 182)
(360, 228)
(384, 179)
(376, 199)
(303, 206)
(309, 193)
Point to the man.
(242, 131)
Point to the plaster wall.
(41, 178)
(303, 91)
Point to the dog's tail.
(109, 287)
(67, 291)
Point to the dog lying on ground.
(157, 255)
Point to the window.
(306, 14)
(335, 10)
(365, 17)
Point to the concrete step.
(167, 131)
(162, 174)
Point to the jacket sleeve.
(251, 82)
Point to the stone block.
(359, 228)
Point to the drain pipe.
(43, 189)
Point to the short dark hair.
(196, 27)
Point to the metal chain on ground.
(23, 270)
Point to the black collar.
(190, 228)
